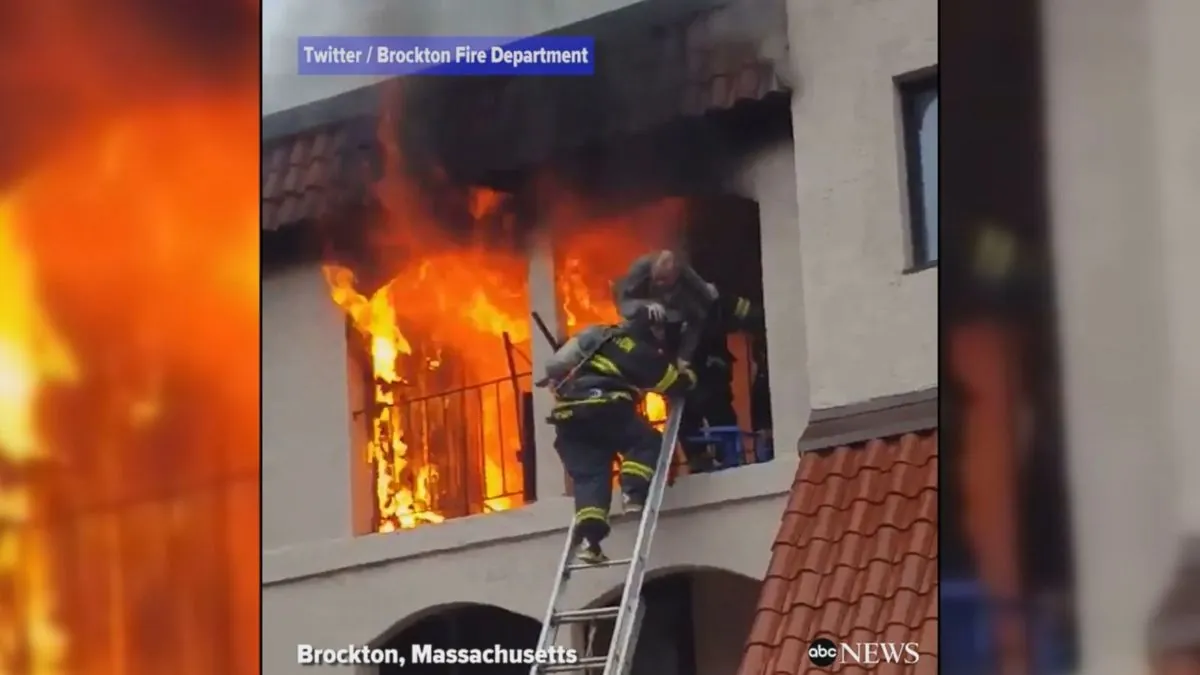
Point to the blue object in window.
(966, 642)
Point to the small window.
(919, 99)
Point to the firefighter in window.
(598, 378)
(710, 403)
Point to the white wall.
(352, 591)
(872, 331)
(305, 411)
(1123, 109)
(768, 177)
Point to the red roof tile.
(855, 559)
(307, 176)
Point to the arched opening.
(696, 623)
(464, 627)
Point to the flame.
(159, 287)
(436, 327)
(129, 263)
(31, 355)
(596, 250)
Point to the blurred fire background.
(129, 337)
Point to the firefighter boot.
(590, 553)
(633, 505)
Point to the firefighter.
(598, 379)
(710, 403)
(665, 286)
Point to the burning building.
(419, 234)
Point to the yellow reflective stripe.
(637, 469)
(668, 379)
(742, 308)
(605, 365)
(606, 398)
(591, 513)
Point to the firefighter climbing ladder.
(627, 615)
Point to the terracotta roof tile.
(855, 558)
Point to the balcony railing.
(465, 448)
(466, 443)
(725, 447)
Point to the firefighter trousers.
(587, 441)
(709, 404)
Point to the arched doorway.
(464, 627)
(696, 623)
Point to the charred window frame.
(919, 119)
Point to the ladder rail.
(630, 611)
(549, 628)
(625, 632)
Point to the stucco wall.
(872, 330)
(354, 590)
(1123, 106)
(768, 177)
(305, 423)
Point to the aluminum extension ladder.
(628, 613)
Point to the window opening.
(919, 104)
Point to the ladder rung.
(607, 563)
(575, 615)
(581, 664)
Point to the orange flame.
(129, 263)
(437, 326)
(31, 355)
(160, 287)
(596, 250)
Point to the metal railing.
(472, 447)
(468, 441)
(722, 448)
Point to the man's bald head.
(665, 269)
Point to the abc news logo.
(824, 652)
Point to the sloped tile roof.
(855, 559)
(317, 173)
(314, 156)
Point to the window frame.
(910, 89)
